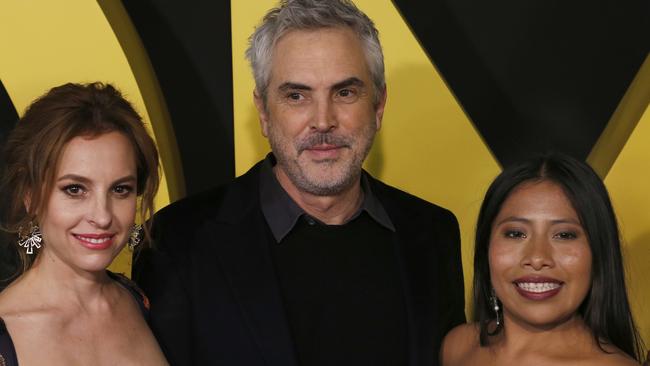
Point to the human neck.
(520, 340)
(331, 210)
(58, 283)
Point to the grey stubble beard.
(294, 171)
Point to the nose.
(324, 119)
(538, 254)
(100, 211)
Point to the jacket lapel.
(411, 244)
(419, 315)
(243, 252)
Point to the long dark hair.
(605, 309)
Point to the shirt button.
(311, 221)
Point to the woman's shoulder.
(134, 290)
(459, 344)
(12, 301)
(612, 357)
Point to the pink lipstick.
(95, 241)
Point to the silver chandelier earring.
(135, 238)
(30, 238)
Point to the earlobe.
(27, 201)
(261, 110)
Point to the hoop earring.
(136, 236)
(30, 238)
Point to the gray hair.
(308, 15)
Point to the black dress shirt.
(340, 284)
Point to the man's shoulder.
(395, 199)
(224, 200)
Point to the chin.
(97, 262)
(332, 175)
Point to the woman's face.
(91, 208)
(540, 259)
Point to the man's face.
(319, 117)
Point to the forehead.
(318, 55)
(531, 199)
(107, 154)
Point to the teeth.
(94, 240)
(538, 287)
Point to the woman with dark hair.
(549, 282)
(80, 167)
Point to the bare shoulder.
(10, 301)
(616, 359)
(459, 344)
(613, 357)
(20, 304)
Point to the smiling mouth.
(95, 240)
(538, 287)
(324, 147)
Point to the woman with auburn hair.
(549, 282)
(80, 167)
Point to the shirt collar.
(282, 213)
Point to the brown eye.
(73, 190)
(123, 190)
(295, 97)
(347, 95)
(566, 235)
(514, 234)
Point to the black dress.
(8, 352)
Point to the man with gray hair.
(306, 259)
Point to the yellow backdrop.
(427, 145)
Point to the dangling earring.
(495, 302)
(495, 306)
(30, 238)
(135, 237)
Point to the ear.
(379, 109)
(27, 201)
(261, 110)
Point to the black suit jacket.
(215, 298)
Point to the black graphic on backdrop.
(534, 75)
(8, 119)
(190, 49)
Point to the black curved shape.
(189, 45)
(8, 119)
(534, 76)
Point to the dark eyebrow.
(515, 219)
(524, 220)
(74, 177)
(353, 81)
(292, 86)
(82, 179)
(566, 221)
